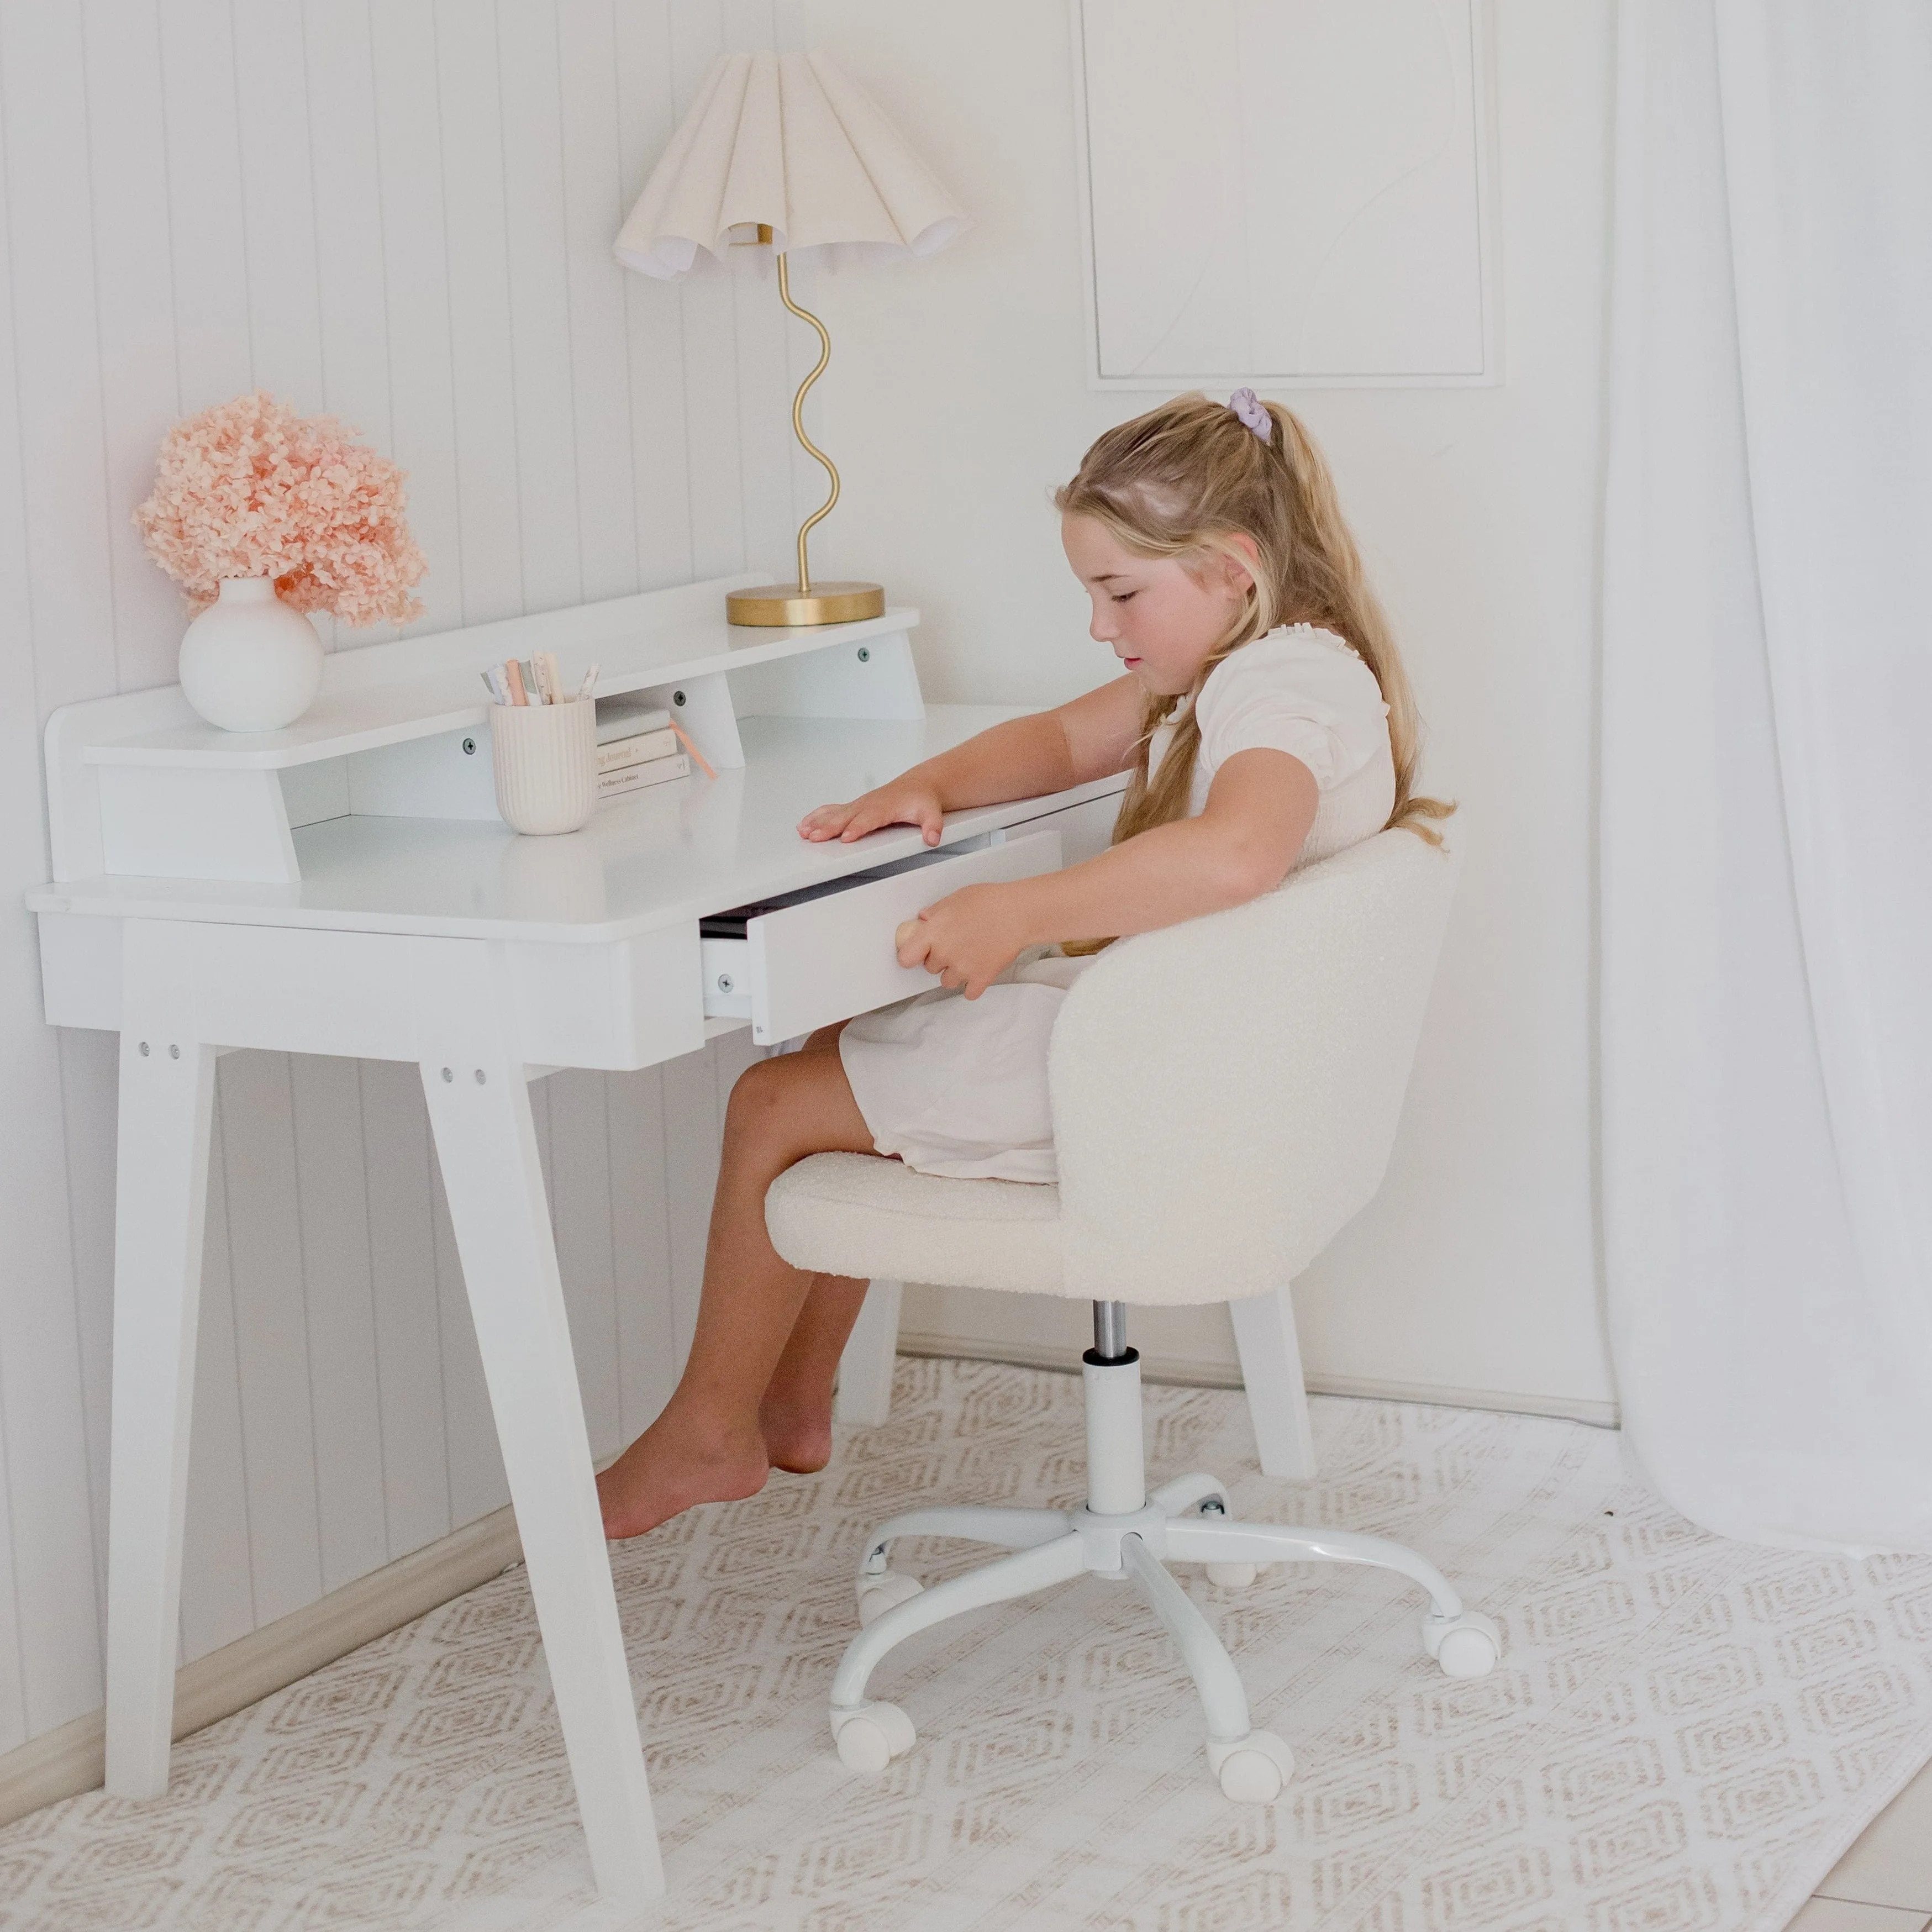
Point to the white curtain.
(1767, 766)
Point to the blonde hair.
(1183, 481)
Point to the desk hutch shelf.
(140, 787)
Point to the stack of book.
(635, 748)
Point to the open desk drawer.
(826, 954)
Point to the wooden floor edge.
(66, 1761)
(1156, 1368)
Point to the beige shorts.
(958, 1087)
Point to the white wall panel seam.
(99, 357)
(308, 1322)
(432, 1180)
(605, 1082)
(569, 318)
(369, 1249)
(13, 1720)
(382, 231)
(314, 209)
(13, 1725)
(449, 313)
(246, 1488)
(240, 170)
(94, 1486)
(510, 307)
(616, 212)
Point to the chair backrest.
(1225, 1091)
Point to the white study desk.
(345, 887)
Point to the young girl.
(1267, 722)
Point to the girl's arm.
(1027, 757)
(1259, 813)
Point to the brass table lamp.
(786, 151)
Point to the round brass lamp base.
(824, 604)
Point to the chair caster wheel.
(1465, 1646)
(878, 1594)
(1233, 1575)
(869, 1738)
(1252, 1771)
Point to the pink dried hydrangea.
(250, 489)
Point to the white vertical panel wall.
(399, 211)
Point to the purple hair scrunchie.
(1248, 407)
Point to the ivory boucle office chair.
(1224, 1096)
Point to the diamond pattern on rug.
(1684, 1732)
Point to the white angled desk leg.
(865, 1397)
(1277, 1397)
(161, 1209)
(480, 1110)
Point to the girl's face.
(1162, 616)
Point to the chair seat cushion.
(860, 1214)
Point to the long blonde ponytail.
(1183, 481)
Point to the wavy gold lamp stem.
(824, 509)
(800, 603)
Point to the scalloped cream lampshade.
(788, 151)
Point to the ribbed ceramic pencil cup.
(546, 760)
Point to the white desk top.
(654, 858)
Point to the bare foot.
(797, 1432)
(670, 1468)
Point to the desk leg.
(480, 1110)
(167, 1093)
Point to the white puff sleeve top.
(1306, 692)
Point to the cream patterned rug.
(1684, 1733)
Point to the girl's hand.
(968, 938)
(906, 801)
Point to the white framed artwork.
(1293, 193)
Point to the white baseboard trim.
(68, 1761)
(1159, 1368)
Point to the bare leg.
(796, 1414)
(707, 1446)
(795, 1417)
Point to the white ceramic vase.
(248, 662)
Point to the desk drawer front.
(810, 964)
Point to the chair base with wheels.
(1124, 1531)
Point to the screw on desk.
(470, 747)
(865, 655)
(174, 1053)
(447, 1075)
(677, 697)
(144, 1049)
(480, 1076)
